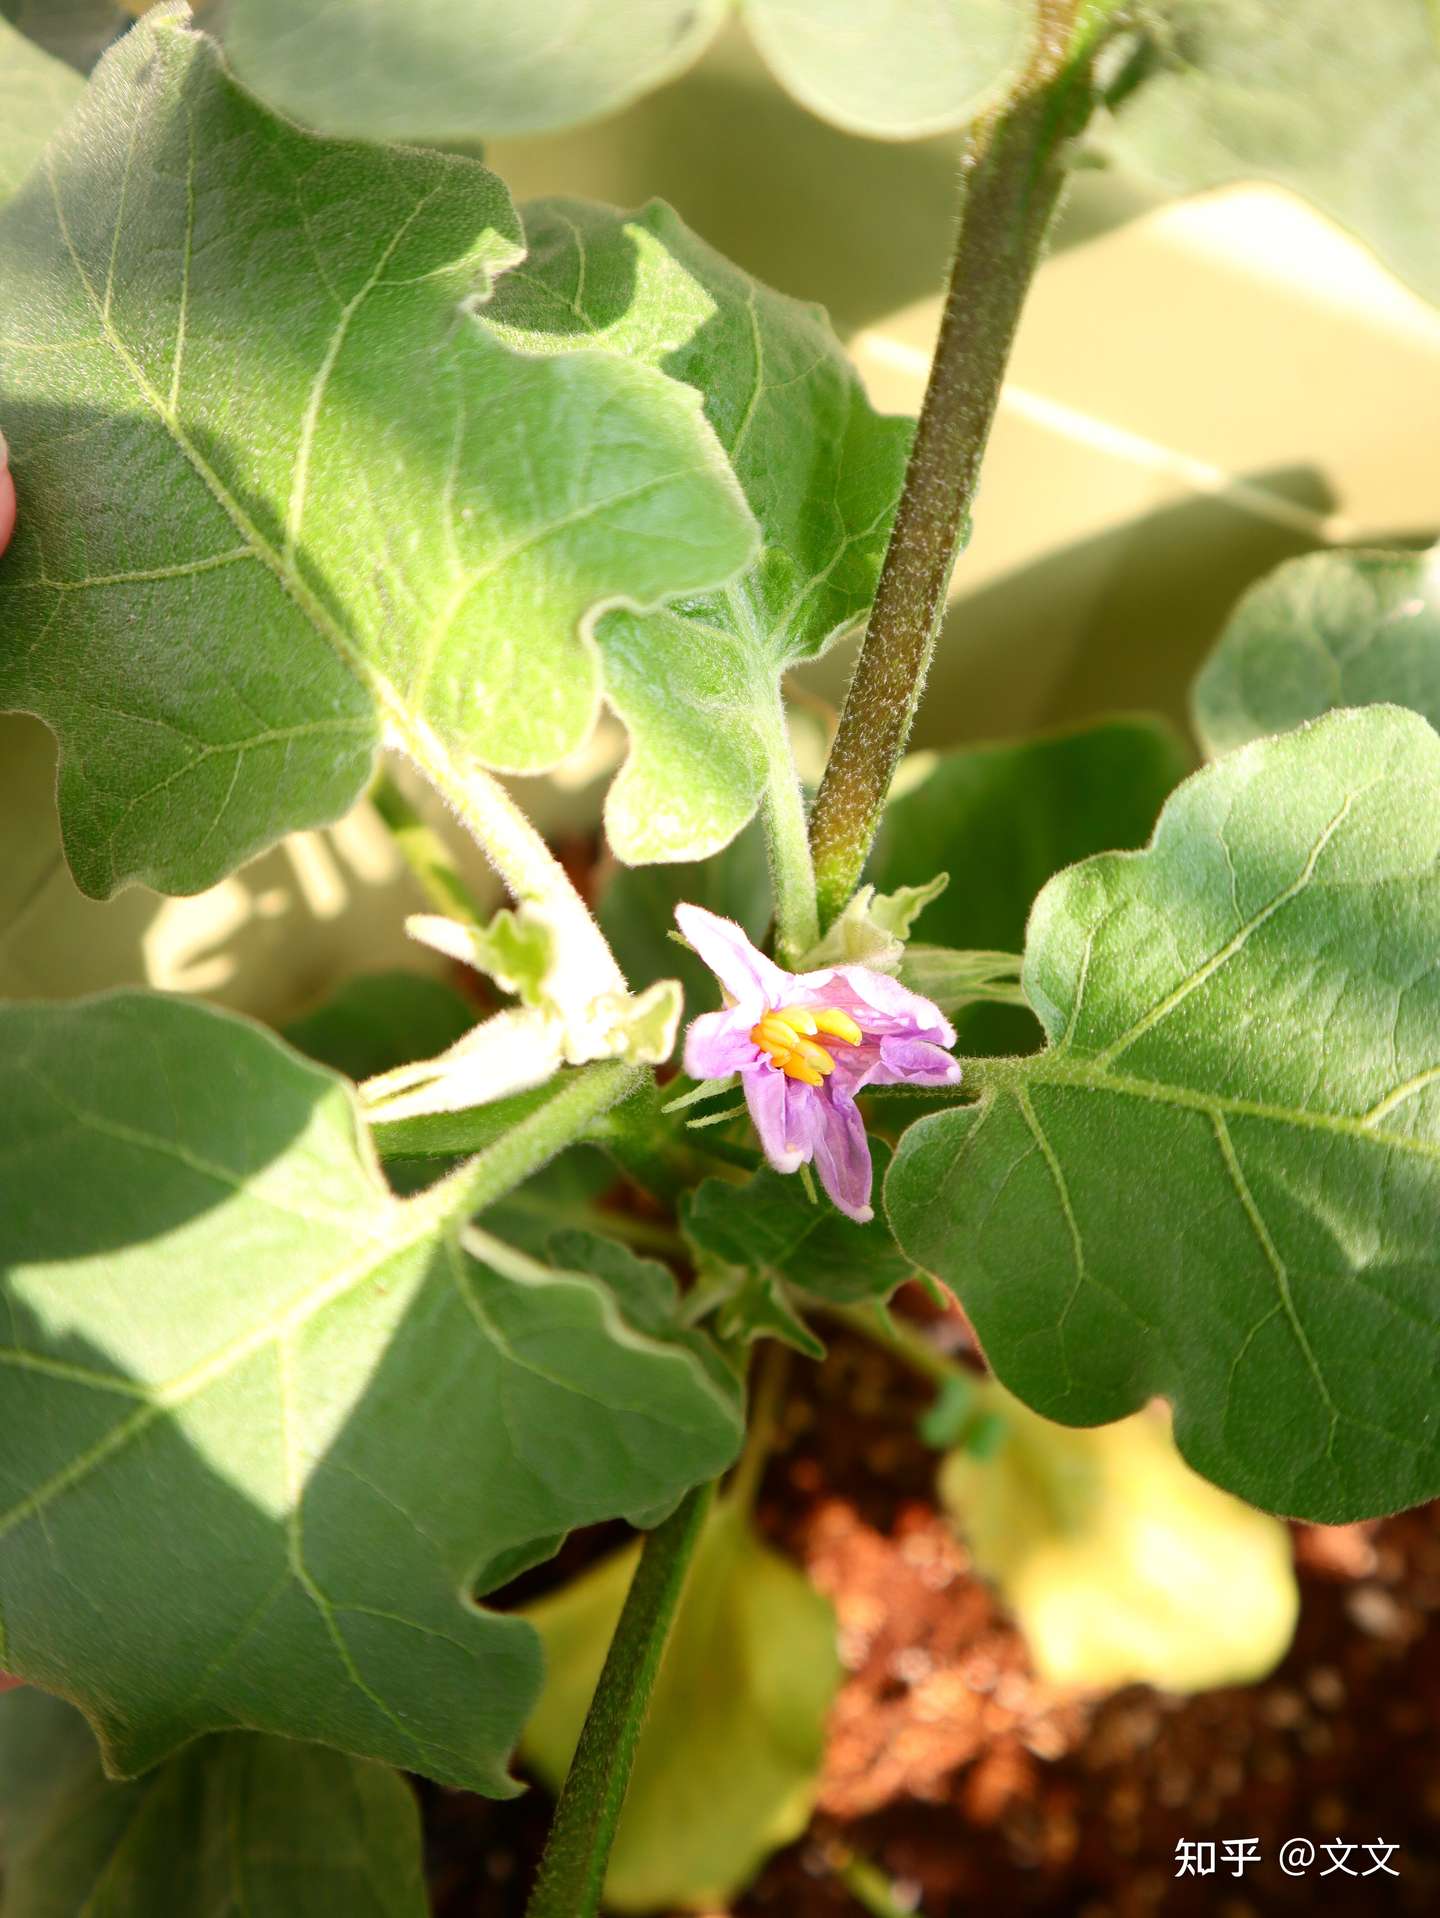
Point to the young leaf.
(1221, 1181)
(263, 1825)
(282, 484)
(893, 69)
(268, 1428)
(729, 1760)
(36, 92)
(698, 683)
(1327, 630)
(456, 70)
(1121, 1566)
(1292, 93)
(770, 1225)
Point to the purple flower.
(804, 1044)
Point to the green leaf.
(1120, 1565)
(445, 70)
(698, 684)
(36, 92)
(729, 1761)
(456, 70)
(1001, 820)
(379, 1020)
(769, 1225)
(264, 1825)
(894, 69)
(1221, 1181)
(1327, 630)
(283, 486)
(1342, 111)
(268, 1428)
(637, 914)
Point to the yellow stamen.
(785, 1035)
(839, 1025)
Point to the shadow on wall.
(1123, 620)
(267, 940)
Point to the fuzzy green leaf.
(1221, 1181)
(893, 69)
(698, 683)
(283, 485)
(1340, 108)
(268, 1428)
(36, 92)
(266, 1826)
(457, 70)
(1328, 630)
(729, 1760)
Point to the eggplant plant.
(338, 479)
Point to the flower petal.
(877, 1004)
(914, 1062)
(719, 1043)
(784, 1123)
(842, 1158)
(747, 975)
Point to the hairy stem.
(425, 853)
(797, 922)
(585, 966)
(524, 1148)
(1013, 177)
(572, 1871)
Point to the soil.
(973, 1787)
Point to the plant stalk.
(797, 922)
(585, 966)
(519, 1152)
(425, 853)
(572, 1870)
(1014, 173)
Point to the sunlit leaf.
(1328, 630)
(234, 1823)
(698, 684)
(455, 70)
(1220, 1183)
(729, 1760)
(282, 485)
(1121, 1565)
(894, 69)
(268, 1428)
(1343, 109)
(461, 69)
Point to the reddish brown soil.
(975, 1788)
